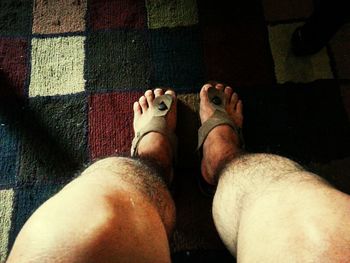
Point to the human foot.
(222, 142)
(155, 145)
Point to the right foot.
(154, 145)
(222, 142)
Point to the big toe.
(204, 93)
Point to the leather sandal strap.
(157, 124)
(218, 118)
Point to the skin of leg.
(268, 209)
(118, 210)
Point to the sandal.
(219, 117)
(161, 106)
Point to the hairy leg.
(267, 208)
(118, 210)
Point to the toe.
(207, 86)
(219, 86)
(234, 100)
(204, 91)
(239, 107)
(212, 82)
(143, 103)
(228, 93)
(137, 109)
(149, 96)
(158, 92)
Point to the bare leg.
(118, 210)
(267, 208)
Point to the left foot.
(222, 142)
(155, 145)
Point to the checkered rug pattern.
(71, 69)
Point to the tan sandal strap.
(218, 118)
(157, 124)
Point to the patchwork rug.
(71, 69)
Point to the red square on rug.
(110, 123)
(108, 14)
(13, 66)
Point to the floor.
(70, 71)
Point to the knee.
(135, 177)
